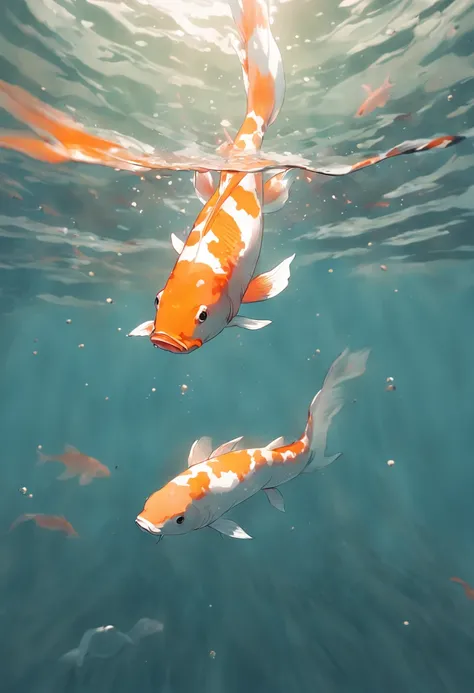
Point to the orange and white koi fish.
(77, 464)
(56, 523)
(217, 480)
(375, 98)
(214, 273)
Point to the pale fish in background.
(55, 523)
(77, 464)
(106, 641)
(217, 480)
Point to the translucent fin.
(200, 451)
(270, 284)
(230, 529)
(248, 323)
(226, 447)
(275, 498)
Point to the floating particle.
(91, 274)
(330, 271)
(68, 321)
(86, 384)
(406, 623)
(119, 329)
(212, 654)
(390, 463)
(391, 387)
(153, 389)
(390, 379)
(39, 447)
(383, 267)
(390, 32)
(395, 291)
(24, 490)
(184, 387)
(318, 351)
(109, 300)
(369, 244)
(81, 346)
(106, 399)
(35, 353)
(30, 495)
(450, 97)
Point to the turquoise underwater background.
(349, 591)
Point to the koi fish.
(77, 464)
(215, 271)
(468, 591)
(53, 522)
(375, 98)
(217, 480)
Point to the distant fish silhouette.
(468, 591)
(52, 522)
(106, 641)
(375, 98)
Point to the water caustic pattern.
(136, 166)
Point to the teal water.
(349, 590)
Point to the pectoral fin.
(317, 463)
(68, 474)
(269, 284)
(275, 498)
(248, 323)
(204, 185)
(226, 447)
(367, 88)
(229, 528)
(200, 450)
(143, 330)
(177, 243)
(85, 479)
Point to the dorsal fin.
(71, 449)
(226, 447)
(200, 451)
(277, 443)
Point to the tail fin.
(19, 520)
(262, 68)
(42, 458)
(328, 402)
(143, 628)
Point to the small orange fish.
(375, 99)
(77, 464)
(468, 591)
(56, 523)
(380, 203)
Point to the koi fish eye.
(180, 520)
(202, 314)
(157, 298)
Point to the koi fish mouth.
(147, 526)
(161, 340)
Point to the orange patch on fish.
(246, 200)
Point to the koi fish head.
(191, 309)
(101, 471)
(170, 511)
